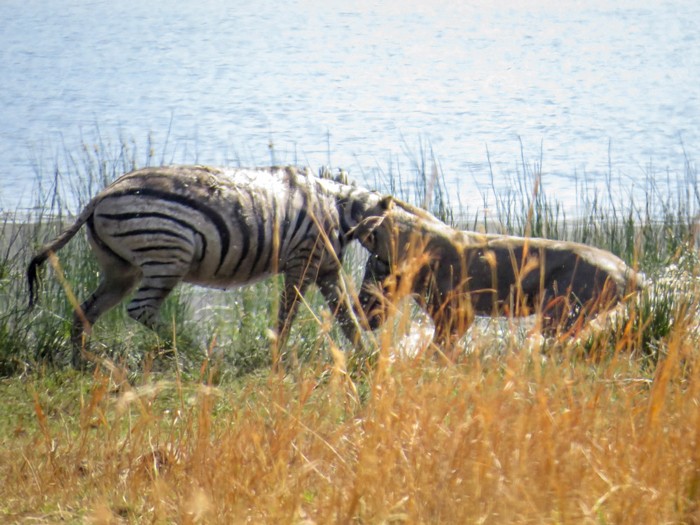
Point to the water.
(597, 90)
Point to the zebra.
(456, 275)
(217, 227)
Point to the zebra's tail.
(52, 247)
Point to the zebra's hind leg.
(117, 282)
(149, 297)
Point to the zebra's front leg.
(341, 305)
(293, 291)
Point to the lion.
(458, 275)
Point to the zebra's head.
(362, 216)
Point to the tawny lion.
(457, 275)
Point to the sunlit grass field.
(601, 429)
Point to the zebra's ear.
(373, 219)
(387, 203)
(364, 231)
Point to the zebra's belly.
(225, 281)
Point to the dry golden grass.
(511, 438)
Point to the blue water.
(593, 90)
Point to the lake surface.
(595, 90)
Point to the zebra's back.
(227, 226)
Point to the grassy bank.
(513, 441)
(600, 430)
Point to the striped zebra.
(457, 275)
(216, 227)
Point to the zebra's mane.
(335, 182)
(341, 177)
(416, 211)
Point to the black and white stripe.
(217, 227)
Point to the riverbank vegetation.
(601, 429)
